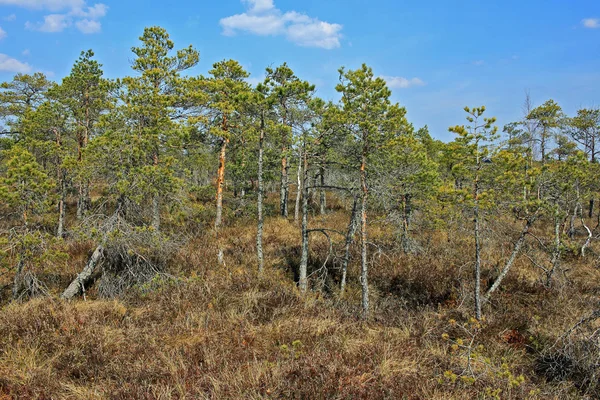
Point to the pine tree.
(476, 138)
(227, 91)
(153, 102)
(370, 120)
(289, 94)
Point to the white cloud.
(591, 23)
(258, 6)
(253, 81)
(52, 23)
(478, 63)
(88, 26)
(10, 17)
(264, 19)
(72, 12)
(398, 82)
(2, 33)
(26, 52)
(8, 64)
(97, 11)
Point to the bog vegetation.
(164, 235)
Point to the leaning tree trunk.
(303, 268)
(511, 259)
(259, 201)
(364, 269)
(78, 284)
(352, 226)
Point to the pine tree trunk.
(405, 239)
(156, 212)
(323, 195)
(477, 269)
(352, 226)
(83, 200)
(220, 182)
(572, 221)
(511, 259)
(259, 202)
(303, 268)
(285, 180)
(18, 280)
(78, 284)
(364, 281)
(588, 239)
(156, 201)
(62, 178)
(556, 252)
(299, 190)
(60, 231)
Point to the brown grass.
(223, 332)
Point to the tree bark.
(352, 226)
(18, 280)
(78, 284)
(156, 201)
(588, 240)
(303, 268)
(156, 212)
(477, 269)
(299, 190)
(259, 202)
(556, 253)
(62, 178)
(83, 202)
(220, 182)
(511, 259)
(405, 239)
(364, 281)
(283, 196)
(60, 231)
(285, 180)
(323, 195)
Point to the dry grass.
(223, 332)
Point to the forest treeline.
(140, 154)
(143, 165)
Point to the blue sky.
(437, 55)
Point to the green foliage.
(25, 187)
